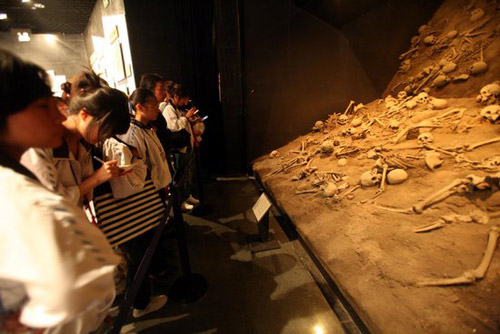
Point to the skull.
(438, 104)
(441, 81)
(370, 178)
(489, 93)
(343, 119)
(390, 102)
(274, 154)
(449, 67)
(318, 126)
(491, 113)
(415, 40)
(423, 28)
(349, 132)
(327, 146)
(405, 65)
(356, 122)
(422, 98)
(402, 95)
(330, 190)
(478, 68)
(411, 104)
(430, 40)
(476, 14)
(451, 34)
(425, 138)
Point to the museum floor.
(268, 292)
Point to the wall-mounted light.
(3, 16)
(23, 36)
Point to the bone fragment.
(486, 142)
(348, 107)
(405, 131)
(438, 196)
(310, 191)
(429, 227)
(398, 210)
(385, 167)
(471, 276)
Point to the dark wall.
(303, 60)
(380, 35)
(227, 28)
(175, 38)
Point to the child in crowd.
(95, 113)
(55, 268)
(142, 136)
(178, 120)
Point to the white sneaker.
(155, 303)
(186, 206)
(192, 200)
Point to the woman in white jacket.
(55, 268)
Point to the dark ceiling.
(58, 16)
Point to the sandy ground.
(373, 253)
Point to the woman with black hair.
(142, 136)
(55, 268)
(96, 112)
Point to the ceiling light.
(24, 1)
(3, 16)
(23, 36)
(37, 5)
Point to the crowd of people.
(85, 177)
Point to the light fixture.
(318, 329)
(23, 36)
(38, 5)
(3, 16)
(25, 1)
(51, 39)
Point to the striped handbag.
(126, 218)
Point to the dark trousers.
(135, 249)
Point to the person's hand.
(109, 170)
(190, 112)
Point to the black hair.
(107, 105)
(179, 90)
(21, 83)
(150, 80)
(169, 86)
(86, 81)
(140, 96)
(66, 87)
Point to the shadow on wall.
(299, 67)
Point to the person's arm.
(129, 182)
(174, 123)
(64, 263)
(108, 171)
